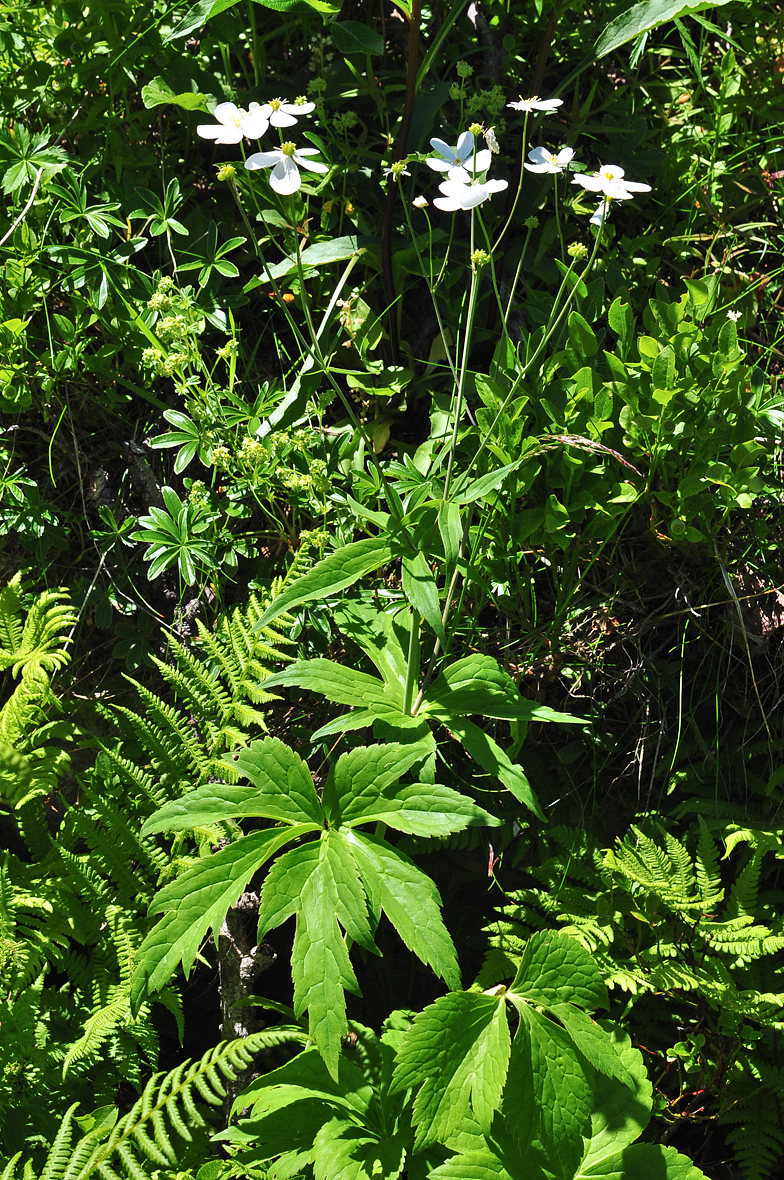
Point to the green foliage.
(454, 1094)
(342, 880)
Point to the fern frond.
(148, 1127)
(40, 643)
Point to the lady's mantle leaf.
(456, 1051)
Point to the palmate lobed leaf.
(319, 883)
(549, 1092)
(456, 1052)
(556, 969)
(363, 776)
(196, 901)
(410, 900)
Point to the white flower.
(285, 114)
(459, 162)
(536, 104)
(733, 315)
(601, 213)
(466, 196)
(420, 202)
(283, 161)
(544, 161)
(396, 170)
(234, 122)
(609, 180)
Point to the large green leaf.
(307, 1076)
(556, 969)
(549, 1085)
(322, 253)
(645, 1161)
(342, 1149)
(477, 685)
(338, 683)
(642, 18)
(455, 1052)
(159, 93)
(619, 1115)
(360, 778)
(410, 900)
(494, 761)
(196, 901)
(337, 571)
(282, 789)
(319, 883)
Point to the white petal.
(262, 160)
(314, 165)
(465, 145)
(285, 177)
(484, 159)
(600, 214)
(547, 104)
(611, 172)
(474, 196)
(298, 108)
(594, 184)
(255, 123)
(618, 190)
(496, 186)
(281, 119)
(444, 150)
(448, 204)
(439, 165)
(539, 155)
(565, 156)
(633, 187)
(219, 132)
(228, 112)
(539, 168)
(459, 175)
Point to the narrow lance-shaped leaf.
(345, 686)
(335, 572)
(421, 591)
(494, 761)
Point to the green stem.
(412, 663)
(467, 334)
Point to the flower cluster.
(235, 123)
(466, 185)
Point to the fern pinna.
(694, 949)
